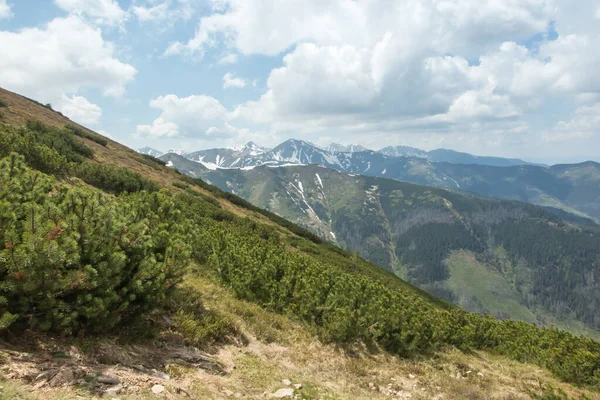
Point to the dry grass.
(274, 348)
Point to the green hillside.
(93, 247)
(540, 267)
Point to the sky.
(512, 78)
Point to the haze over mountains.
(574, 188)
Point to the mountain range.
(459, 246)
(574, 188)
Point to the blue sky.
(511, 78)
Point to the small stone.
(404, 394)
(468, 372)
(283, 394)
(411, 376)
(156, 389)
(238, 395)
(111, 391)
(286, 382)
(40, 384)
(45, 375)
(298, 386)
(109, 379)
(1, 389)
(160, 375)
(226, 392)
(63, 377)
(480, 374)
(371, 384)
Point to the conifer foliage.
(76, 258)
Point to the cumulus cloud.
(271, 26)
(5, 10)
(231, 81)
(104, 12)
(193, 116)
(61, 58)
(452, 68)
(79, 109)
(585, 124)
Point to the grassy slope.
(273, 347)
(368, 220)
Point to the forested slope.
(540, 268)
(91, 246)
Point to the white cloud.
(366, 68)
(166, 11)
(272, 26)
(585, 124)
(79, 109)
(105, 12)
(229, 58)
(5, 11)
(62, 57)
(230, 81)
(192, 116)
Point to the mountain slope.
(431, 237)
(573, 188)
(94, 232)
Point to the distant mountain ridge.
(437, 239)
(574, 188)
(252, 154)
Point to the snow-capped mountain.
(403, 151)
(340, 148)
(390, 162)
(150, 151)
(235, 157)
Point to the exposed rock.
(108, 379)
(286, 382)
(283, 393)
(113, 390)
(46, 374)
(157, 389)
(63, 377)
(159, 375)
(298, 386)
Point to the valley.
(421, 234)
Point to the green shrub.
(113, 179)
(181, 185)
(3, 104)
(75, 258)
(86, 135)
(154, 159)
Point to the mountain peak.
(150, 151)
(250, 148)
